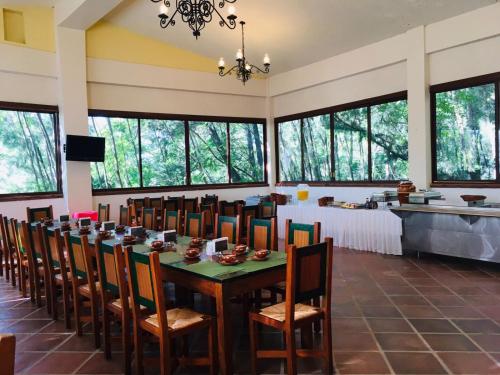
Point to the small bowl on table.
(97, 225)
(65, 226)
(157, 245)
(104, 234)
(196, 242)
(261, 254)
(192, 253)
(47, 221)
(84, 230)
(129, 240)
(240, 250)
(229, 260)
(120, 229)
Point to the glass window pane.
(121, 161)
(290, 157)
(465, 134)
(317, 148)
(28, 152)
(208, 152)
(351, 145)
(389, 127)
(163, 148)
(247, 152)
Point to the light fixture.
(197, 13)
(243, 68)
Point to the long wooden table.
(209, 277)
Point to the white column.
(419, 131)
(271, 146)
(73, 112)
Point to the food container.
(302, 192)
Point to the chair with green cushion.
(171, 204)
(244, 212)
(37, 214)
(302, 234)
(41, 262)
(209, 218)
(228, 208)
(103, 212)
(228, 226)
(267, 210)
(172, 221)
(126, 213)
(190, 204)
(262, 233)
(194, 224)
(149, 218)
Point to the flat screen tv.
(81, 148)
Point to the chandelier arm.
(263, 71)
(232, 23)
(234, 68)
(171, 21)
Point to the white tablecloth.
(371, 230)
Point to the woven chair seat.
(177, 318)
(277, 312)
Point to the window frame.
(54, 111)
(330, 111)
(186, 119)
(471, 82)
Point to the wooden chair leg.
(253, 345)
(164, 357)
(317, 324)
(258, 299)
(66, 306)
(31, 279)
(212, 344)
(106, 333)
(7, 266)
(306, 337)
(53, 299)
(138, 349)
(47, 285)
(22, 282)
(95, 323)
(2, 257)
(13, 269)
(327, 345)
(76, 312)
(127, 347)
(291, 355)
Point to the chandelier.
(197, 13)
(243, 68)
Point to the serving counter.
(467, 232)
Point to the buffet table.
(371, 230)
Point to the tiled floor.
(391, 315)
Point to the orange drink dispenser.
(302, 193)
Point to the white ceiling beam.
(82, 14)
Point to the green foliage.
(27, 152)
(290, 157)
(317, 145)
(247, 152)
(465, 134)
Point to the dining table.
(207, 276)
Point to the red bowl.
(261, 254)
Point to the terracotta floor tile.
(25, 360)
(490, 343)
(9, 314)
(98, 364)
(433, 326)
(399, 290)
(42, 342)
(84, 343)
(354, 341)
(28, 326)
(477, 325)
(469, 291)
(420, 311)
(450, 343)
(446, 300)
(461, 312)
(361, 363)
(349, 325)
(389, 325)
(375, 300)
(401, 342)
(419, 282)
(469, 363)
(59, 363)
(381, 311)
(434, 290)
(415, 363)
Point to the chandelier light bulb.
(231, 10)
(248, 67)
(239, 54)
(266, 60)
(163, 9)
(222, 63)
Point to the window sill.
(177, 188)
(28, 197)
(391, 184)
(464, 184)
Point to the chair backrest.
(7, 353)
(302, 234)
(107, 269)
(262, 233)
(140, 280)
(4, 231)
(228, 226)
(122, 276)
(309, 275)
(18, 238)
(76, 255)
(194, 224)
(172, 220)
(149, 217)
(180, 202)
(191, 204)
(267, 209)
(210, 199)
(228, 208)
(36, 244)
(155, 203)
(171, 204)
(210, 216)
(53, 242)
(126, 214)
(103, 212)
(37, 214)
(244, 212)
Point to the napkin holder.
(108, 225)
(84, 222)
(217, 246)
(169, 236)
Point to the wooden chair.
(267, 210)
(210, 199)
(41, 262)
(29, 270)
(84, 285)
(4, 258)
(58, 272)
(171, 204)
(244, 212)
(194, 224)
(149, 218)
(126, 213)
(146, 287)
(157, 203)
(228, 226)
(308, 275)
(8, 252)
(302, 234)
(137, 205)
(114, 299)
(172, 221)
(262, 233)
(7, 354)
(209, 218)
(190, 205)
(227, 208)
(37, 214)
(180, 203)
(103, 212)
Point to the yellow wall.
(110, 42)
(38, 27)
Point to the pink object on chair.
(92, 214)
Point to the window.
(361, 142)
(247, 152)
(121, 161)
(465, 134)
(149, 151)
(28, 148)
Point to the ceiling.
(294, 32)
